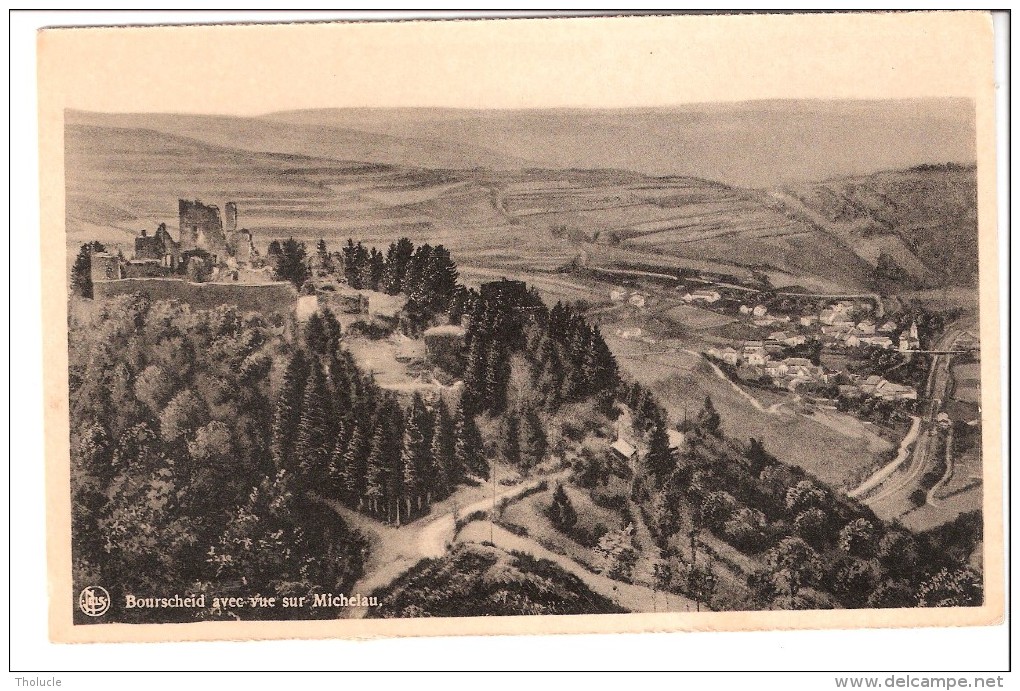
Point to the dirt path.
(395, 550)
(633, 597)
(887, 470)
(750, 399)
(892, 499)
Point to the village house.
(866, 327)
(795, 340)
(888, 327)
(808, 320)
(850, 391)
(676, 439)
(801, 368)
(967, 341)
(852, 338)
(774, 347)
(623, 449)
(776, 368)
(755, 354)
(760, 311)
(708, 296)
(876, 386)
(840, 312)
(744, 309)
(880, 341)
(729, 355)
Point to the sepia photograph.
(682, 356)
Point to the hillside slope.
(759, 144)
(122, 179)
(924, 218)
(320, 139)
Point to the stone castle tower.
(201, 227)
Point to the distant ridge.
(760, 144)
(121, 179)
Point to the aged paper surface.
(646, 324)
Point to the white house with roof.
(879, 341)
(866, 327)
(708, 296)
(744, 309)
(808, 320)
(623, 449)
(760, 311)
(795, 340)
(889, 327)
(755, 355)
(729, 355)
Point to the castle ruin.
(207, 246)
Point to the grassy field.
(530, 515)
(830, 445)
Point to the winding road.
(890, 493)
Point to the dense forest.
(815, 547)
(207, 446)
(204, 440)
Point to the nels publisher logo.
(94, 601)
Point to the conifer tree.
(708, 418)
(81, 271)
(288, 410)
(355, 470)
(469, 456)
(413, 455)
(377, 470)
(322, 254)
(510, 438)
(474, 375)
(497, 376)
(377, 266)
(344, 478)
(659, 458)
(533, 439)
(443, 474)
(561, 512)
(312, 445)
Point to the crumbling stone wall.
(201, 227)
(268, 298)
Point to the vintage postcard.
(521, 326)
